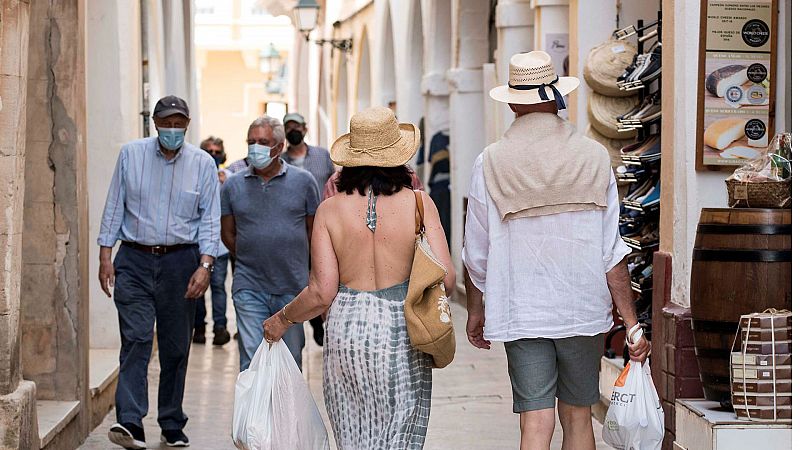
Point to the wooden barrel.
(741, 264)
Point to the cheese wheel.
(605, 63)
(603, 112)
(724, 132)
(718, 81)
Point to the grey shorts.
(542, 370)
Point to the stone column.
(591, 22)
(467, 137)
(17, 396)
(436, 18)
(299, 86)
(179, 61)
(406, 26)
(55, 331)
(552, 17)
(514, 22)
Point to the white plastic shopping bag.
(635, 419)
(273, 408)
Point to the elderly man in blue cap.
(163, 204)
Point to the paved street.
(471, 399)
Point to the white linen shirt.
(542, 277)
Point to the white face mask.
(259, 155)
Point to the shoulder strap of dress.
(420, 214)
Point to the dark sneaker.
(174, 438)
(221, 336)
(199, 336)
(127, 435)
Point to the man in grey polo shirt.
(267, 217)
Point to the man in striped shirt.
(163, 204)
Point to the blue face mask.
(258, 155)
(171, 138)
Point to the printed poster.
(735, 93)
(557, 45)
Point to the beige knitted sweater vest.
(542, 166)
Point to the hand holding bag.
(635, 418)
(427, 311)
(273, 408)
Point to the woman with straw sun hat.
(377, 386)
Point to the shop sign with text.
(736, 88)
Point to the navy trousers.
(149, 291)
(219, 297)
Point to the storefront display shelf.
(636, 161)
(636, 206)
(637, 245)
(639, 290)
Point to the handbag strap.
(420, 214)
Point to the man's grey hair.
(274, 124)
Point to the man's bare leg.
(537, 429)
(577, 424)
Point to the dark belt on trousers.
(157, 249)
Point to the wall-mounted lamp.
(306, 13)
(270, 59)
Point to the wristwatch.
(208, 266)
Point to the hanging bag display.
(426, 308)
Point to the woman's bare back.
(371, 261)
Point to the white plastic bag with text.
(273, 408)
(635, 419)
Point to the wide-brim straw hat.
(376, 139)
(532, 76)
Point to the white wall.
(114, 103)
(113, 75)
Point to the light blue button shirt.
(155, 201)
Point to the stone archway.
(364, 79)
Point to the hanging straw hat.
(376, 139)
(603, 112)
(605, 63)
(532, 79)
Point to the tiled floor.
(471, 400)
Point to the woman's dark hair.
(384, 180)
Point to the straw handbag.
(427, 311)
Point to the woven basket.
(766, 194)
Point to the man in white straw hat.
(544, 256)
